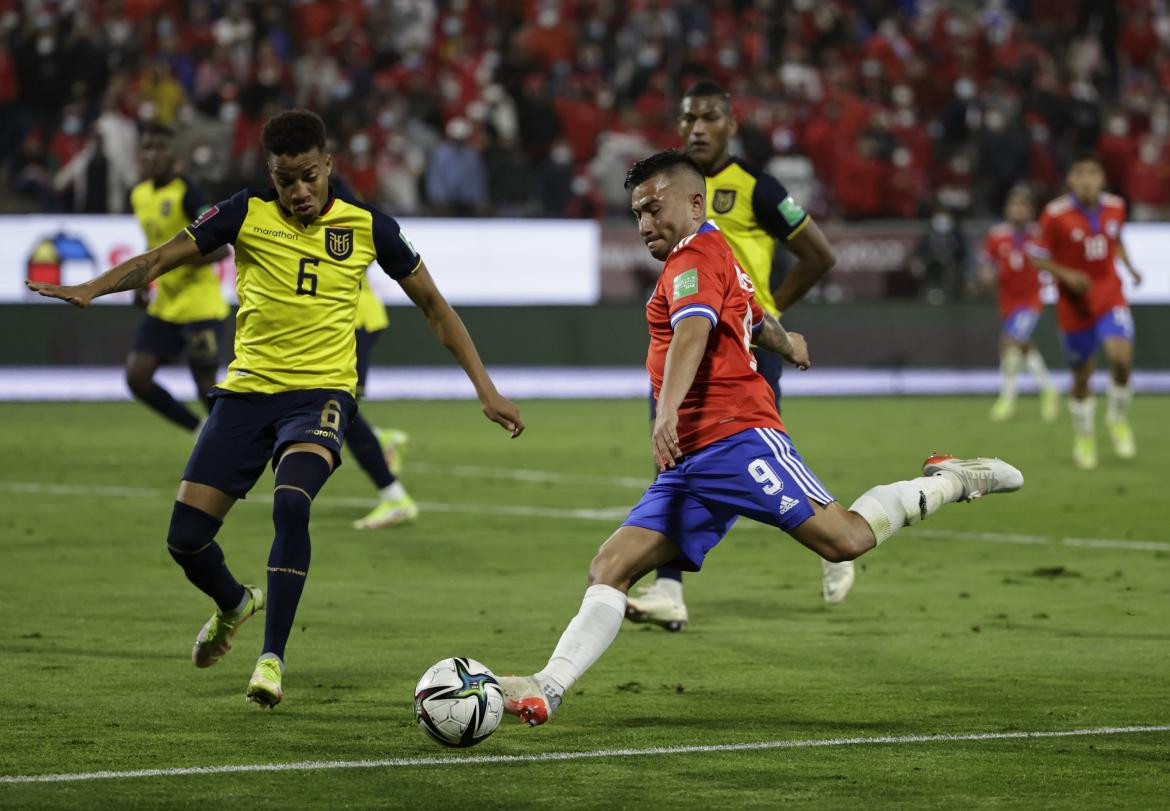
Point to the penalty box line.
(548, 757)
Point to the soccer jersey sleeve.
(396, 256)
(220, 225)
(775, 210)
(194, 203)
(757, 315)
(693, 287)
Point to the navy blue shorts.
(365, 345)
(756, 473)
(200, 340)
(1081, 346)
(245, 431)
(768, 364)
(1020, 324)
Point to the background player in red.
(718, 441)
(1080, 240)
(1005, 264)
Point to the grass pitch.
(1039, 611)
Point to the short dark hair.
(669, 160)
(1085, 156)
(707, 87)
(293, 132)
(155, 128)
(1024, 191)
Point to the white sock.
(670, 587)
(1009, 367)
(1038, 369)
(1083, 415)
(588, 635)
(1118, 400)
(393, 492)
(889, 507)
(235, 612)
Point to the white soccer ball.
(458, 702)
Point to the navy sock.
(299, 478)
(670, 574)
(366, 448)
(161, 401)
(191, 542)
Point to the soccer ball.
(458, 702)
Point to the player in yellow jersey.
(378, 450)
(301, 258)
(188, 311)
(754, 212)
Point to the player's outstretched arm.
(789, 345)
(1075, 281)
(1124, 256)
(686, 351)
(451, 332)
(814, 258)
(132, 274)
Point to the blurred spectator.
(894, 104)
(940, 259)
(456, 178)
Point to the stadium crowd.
(865, 109)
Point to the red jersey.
(1006, 250)
(702, 279)
(1084, 240)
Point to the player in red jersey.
(1079, 243)
(718, 442)
(1006, 265)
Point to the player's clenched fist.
(74, 294)
(501, 410)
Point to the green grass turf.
(940, 635)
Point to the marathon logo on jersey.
(723, 200)
(686, 283)
(205, 216)
(339, 243)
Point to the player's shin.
(299, 478)
(587, 637)
(1038, 368)
(889, 507)
(1009, 368)
(1083, 413)
(1118, 400)
(191, 542)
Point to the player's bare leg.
(628, 555)
(198, 514)
(140, 370)
(837, 534)
(205, 377)
(1119, 354)
(1083, 408)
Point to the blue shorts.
(245, 431)
(1081, 346)
(756, 473)
(768, 364)
(167, 340)
(1020, 324)
(365, 345)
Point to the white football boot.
(977, 477)
(530, 699)
(836, 581)
(657, 607)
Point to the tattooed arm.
(130, 275)
(788, 345)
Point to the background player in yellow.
(753, 211)
(301, 257)
(187, 312)
(378, 450)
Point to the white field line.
(601, 514)
(546, 757)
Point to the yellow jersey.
(299, 286)
(753, 210)
(191, 292)
(371, 314)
